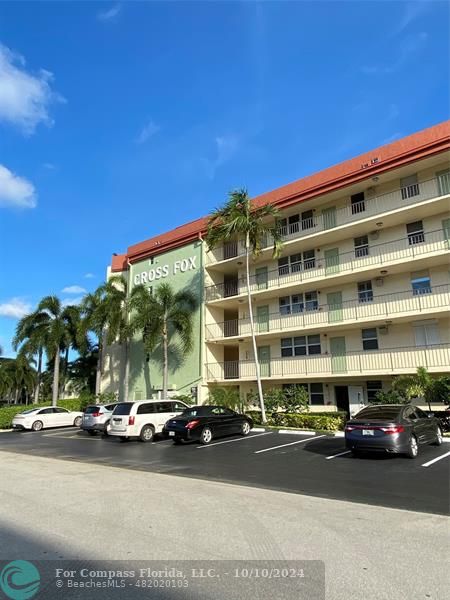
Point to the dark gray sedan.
(394, 428)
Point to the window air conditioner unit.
(383, 330)
(374, 235)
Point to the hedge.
(326, 421)
(7, 412)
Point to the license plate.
(367, 431)
(171, 433)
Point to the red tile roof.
(408, 149)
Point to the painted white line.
(316, 437)
(60, 432)
(340, 454)
(296, 432)
(247, 437)
(446, 439)
(262, 429)
(431, 462)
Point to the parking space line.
(431, 462)
(248, 437)
(339, 454)
(59, 432)
(316, 437)
(294, 432)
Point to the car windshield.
(123, 408)
(92, 409)
(196, 411)
(28, 412)
(379, 412)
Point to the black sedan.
(394, 428)
(203, 423)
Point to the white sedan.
(38, 418)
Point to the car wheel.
(245, 428)
(92, 432)
(439, 438)
(77, 421)
(147, 433)
(413, 449)
(206, 436)
(37, 426)
(105, 430)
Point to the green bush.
(326, 421)
(8, 412)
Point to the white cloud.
(74, 289)
(89, 276)
(24, 98)
(110, 14)
(15, 190)
(411, 12)
(16, 308)
(147, 132)
(71, 301)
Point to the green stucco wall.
(182, 268)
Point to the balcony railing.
(435, 358)
(403, 197)
(386, 306)
(378, 255)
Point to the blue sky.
(119, 121)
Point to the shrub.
(327, 421)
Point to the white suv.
(143, 419)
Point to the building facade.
(360, 293)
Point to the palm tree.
(236, 219)
(418, 385)
(30, 339)
(161, 316)
(95, 320)
(57, 321)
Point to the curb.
(8, 430)
(257, 429)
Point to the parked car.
(40, 418)
(443, 417)
(203, 423)
(394, 428)
(143, 419)
(97, 417)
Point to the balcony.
(392, 361)
(404, 197)
(412, 247)
(388, 306)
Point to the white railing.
(404, 197)
(386, 306)
(379, 255)
(371, 362)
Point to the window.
(60, 410)
(420, 413)
(370, 339)
(46, 411)
(365, 293)
(415, 233)
(307, 219)
(373, 387)
(289, 225)
(178, 406)
(315, 391)
(361, 246)
(296, 262)
(379, 412)
(426, 333)
(420, 283)
(297, 303)
(300, 346)
(163, 407)
(357, 202)
(123, 408)
(145, 409)
(409, 187)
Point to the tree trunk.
(252, 330)
(38, 381)
(165, 360)
(98, 374)
(127, 374)
(55, 390)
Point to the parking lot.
(303, 463)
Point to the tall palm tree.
(57, 321)
(236, 219)
(160, 317)
(95, 319)
(31, 339)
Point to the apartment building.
(360, 293)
